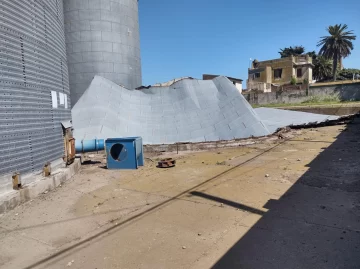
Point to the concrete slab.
(11, 199)
(272, 243)
(215, 209)
(190, 233)
(16, 246)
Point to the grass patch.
(338, 82)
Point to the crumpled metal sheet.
(187, 111)
(279, 118)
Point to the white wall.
(239, 87)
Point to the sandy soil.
(284, 203)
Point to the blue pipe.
(83, 146)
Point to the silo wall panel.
(102, 39)
(34, 86)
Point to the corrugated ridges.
(32, 64)
(187, 111)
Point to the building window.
(256, 75)
(277, 73)
(299, 73)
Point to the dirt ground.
(285, 203)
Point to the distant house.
(262, 75)
(236, 81)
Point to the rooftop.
(209, 77)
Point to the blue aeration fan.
(124, 153)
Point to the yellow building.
(262, 75)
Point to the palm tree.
(322, 68)
(337, 45)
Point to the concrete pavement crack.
(29, 237)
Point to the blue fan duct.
(121, 153)
(124, 153)
(84, 146)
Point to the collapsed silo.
(34, 87)
(102, 38)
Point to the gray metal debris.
(188, 110)
(278, 118)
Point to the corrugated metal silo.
(102, 38)
(34, 87)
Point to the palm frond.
(337, 45)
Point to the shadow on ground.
(227, 202)
(89, 162)
(316, 224)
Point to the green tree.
(291, 51)
(312, 54)
(348, 74)
(337, 45)
(322, 68)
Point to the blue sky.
(192, 37)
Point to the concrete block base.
(14, 198)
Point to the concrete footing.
(205, 145)
(40, 184)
